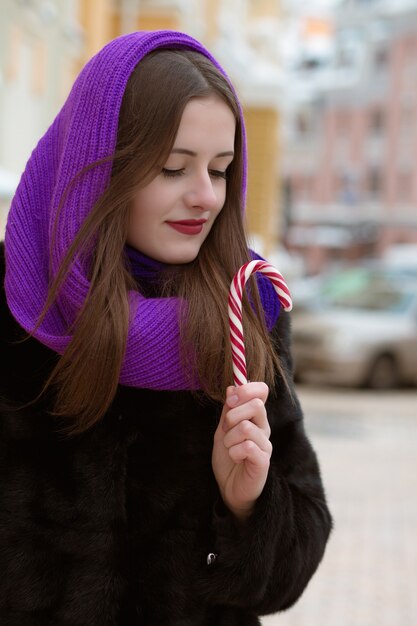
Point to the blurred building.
(44, 43)
(350, 176)
(40, 42)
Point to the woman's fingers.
(247, 392)
(242, 450)
(249, 452)
(248, 431)
(253, 410)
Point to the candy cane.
(235, 310)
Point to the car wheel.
(384, 373)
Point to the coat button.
(211, 557)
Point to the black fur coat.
(113, 528)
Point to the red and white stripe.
(235, 310)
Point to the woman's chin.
(178, 257)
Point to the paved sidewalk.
(367, 446)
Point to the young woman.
(138, 486)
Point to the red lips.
(188, 227)
(189, 222)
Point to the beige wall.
(96, 20)
(101, 22)
(263, 8)
(211, 12)
(262, 126)
(159, 19)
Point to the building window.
(375, 183)
(303, 123)
(377, 122)
(349, 189)
(381, 59)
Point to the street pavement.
(367, 447)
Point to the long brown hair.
(87, 374)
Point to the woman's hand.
(242, 450)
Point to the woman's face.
(173, 214)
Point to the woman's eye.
(172, 173)
(218, 174)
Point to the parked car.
(358, 329)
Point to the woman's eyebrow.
(193, 154)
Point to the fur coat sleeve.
(268, 562)
(113, 527)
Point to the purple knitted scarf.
(83, 132)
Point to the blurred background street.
(367, 447)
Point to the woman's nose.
(202, 193)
